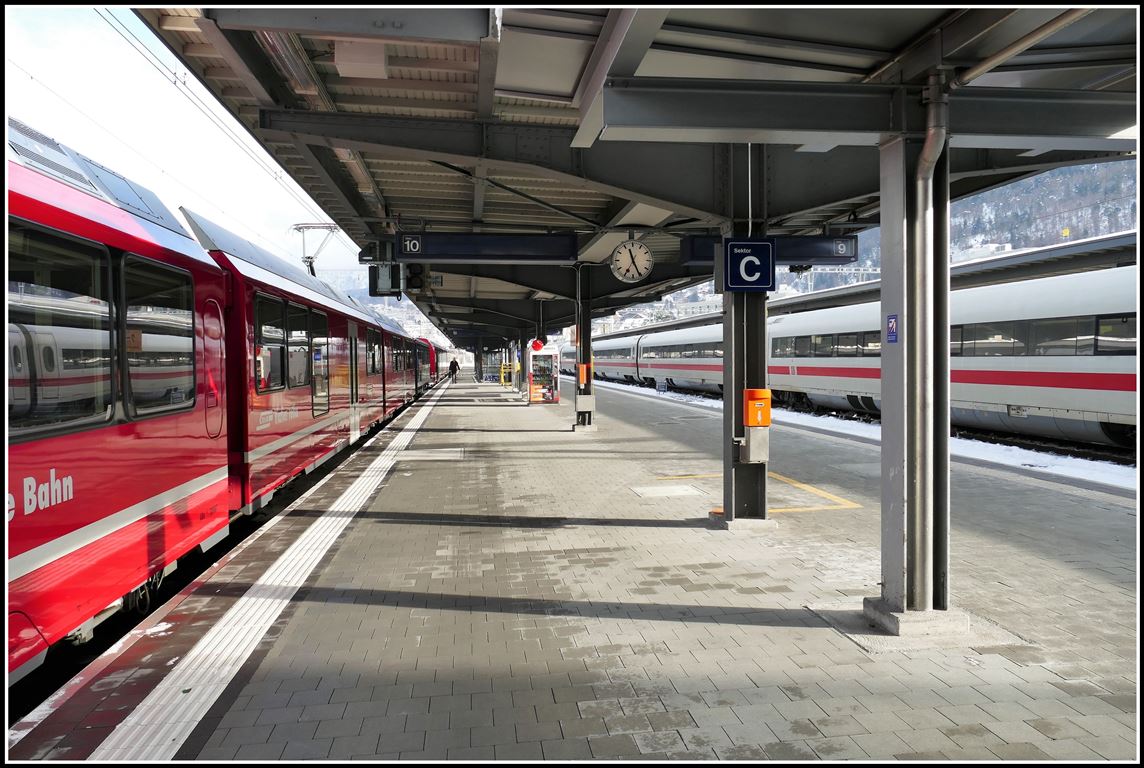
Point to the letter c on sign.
(743, 268)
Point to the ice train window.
(783, 346)
(871, 344)
(1053, 337)
(989, 339)
(1116, 335)
(847, 345)
(159, 337)
(59, 316)
(1086, 335)
(824, 345)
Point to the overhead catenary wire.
(173, 77)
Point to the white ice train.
(1052, 357)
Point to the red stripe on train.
(1110, 382)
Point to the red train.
(159, 386)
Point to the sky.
(73, 76)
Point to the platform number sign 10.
(410, 244)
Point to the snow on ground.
(1103, 472)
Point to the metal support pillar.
(525, 365)
(513, 376)
(940, 451)
(585, 400)
(897, 158)
(744, 366)
(480, 359)
(915, 381)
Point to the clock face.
(631, 261)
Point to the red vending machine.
(544, 376)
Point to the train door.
(215, 366)
(355, 412)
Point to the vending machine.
(544, 376)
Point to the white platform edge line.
(237, 634)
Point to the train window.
(871, 344)
(782, 346)
(59, 326)
(297, 346)
(1085, 335)
(847, 345)
(373, 351)
(269, 344)
(1116, 335)
(824, 345)
(1055, 336)
(319, 333)
(802, 346)
(159, 336)
(989, 339)
(955, 341)
(1020, 337)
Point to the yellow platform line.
(839, 502)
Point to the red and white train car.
(156, 390)
(117, 429)
(306, 363)
(1053, 357)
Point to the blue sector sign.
(748, 265)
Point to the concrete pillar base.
(715, 519)
(915, 623)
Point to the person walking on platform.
(454, 366)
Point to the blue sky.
(70, 75)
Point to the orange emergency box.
(756, 407)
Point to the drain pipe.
(920, 354)
(1019, 46)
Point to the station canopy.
(635, 123)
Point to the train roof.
(386, 324)
(152, 220)
(1096, 292)
(687, 335)
(257, 263)
(626, 341)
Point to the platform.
(482, 583)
